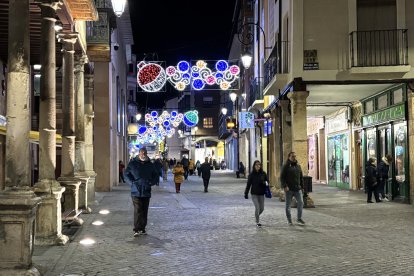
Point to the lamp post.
(234, 98)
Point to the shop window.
(208, 122)
(400, 148)
(382, 101)
(369, 106)
(398, 96)
(338, 161)
(371, 144)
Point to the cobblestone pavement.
(197, 233)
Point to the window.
(208, 122)
(369, 106)
(208, 100)
(382, 101)
(398, 96)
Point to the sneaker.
(290, 222)
(370, 201)
(301, 222)
(140, 233)
(385, 199)
(136, 234)
(258, 224)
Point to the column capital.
(68, 40)
(298, 96)
(80, 61)
(52, 4)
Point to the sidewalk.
(214, 233)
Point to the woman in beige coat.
(178, 172)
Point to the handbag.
(268, 193)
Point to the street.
(214, 233)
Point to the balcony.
(276, 69)
(386, 50)
(256, 93)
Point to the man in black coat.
(140, 175)
(205, 174)
(383, 169)
(292, 183)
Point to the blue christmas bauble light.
(198, 84)
(183, 66)
(222, 65)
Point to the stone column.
(299, 132)
(49, 218)
(89, 115)
(80, 133)
(67, 178)
(275, 152)
(410, 126)
(286, 136)
(18, 203)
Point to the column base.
(276, 192)
(32, 271)
(18, 206)
(91, 186)
(52, 240)
(71, 194)
(49, 218)
(83, 192)
(308, 202)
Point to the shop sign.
(314, 125)
(246, 120)
(337, 123)
(387, 115)
(267, 128)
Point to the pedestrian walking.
(198, 166)
(140, 175)
(256, 184)
(205, 171)
(185, 163)
(121, 167)
(383, 169)
(158, 168)
(241, 170)
(371, 180)
(178, 172)
(191, 166)
(291, 178)
(171, 163)
(165, 167)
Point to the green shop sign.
(387, 115)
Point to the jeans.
(185, 173)
(381, 187)
(299, 199)
(140, 212)
(258, 201)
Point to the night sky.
(174, 30)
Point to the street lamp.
(138, 116)
(233, 97)
(118, 6)
(246, 37)
(224, 111)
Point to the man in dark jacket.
(140, 175)
(292, 183)
(205, 173)
(185, 163)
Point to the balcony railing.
(379, 48)
(277, 63)
(256, 90)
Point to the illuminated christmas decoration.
(151, 77)
(191, 118)
(179, 76)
